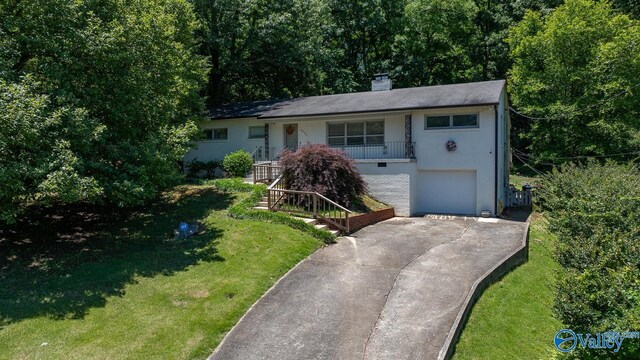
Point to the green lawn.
(108, 285)
(513, 318)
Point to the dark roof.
(469, 94)
(240, 110)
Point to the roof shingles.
(439, 96)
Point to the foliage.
(594, 210)
(197, 167)
(237, 163)
(578, 68)
(232, 185)
(114, 90)
(325, 170)
(434, 47)
(243, 210)
(33, 168)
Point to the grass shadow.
(62, 261)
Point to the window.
(451, 121)
(356, 133)
(216, 134)
(256, 132)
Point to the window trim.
(364, 135)
(451, 126)
(213, 134)
(254, 137)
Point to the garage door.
(447, 192)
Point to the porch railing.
(387, 150)
(265, 173)
(307, 203)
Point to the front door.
(291, 136)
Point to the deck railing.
(265, 173)
(387, 150)
(307, 203)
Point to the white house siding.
(314, 130)
(475, 152)
(399, 183)
(238, 138)
(394, 184)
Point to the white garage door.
(447, 192)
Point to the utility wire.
(527, 164)
(579, 111)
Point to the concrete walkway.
(391, 291)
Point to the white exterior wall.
(237, 139)
(394, 185)
(398, 183)
(314, 130)
(475, 150)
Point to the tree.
(265, 49)
(577, 69)
(436, 43)
(325, 170)
(111, 86)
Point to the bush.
(325, 170)
(594, 210)
(232, 185)
(237, 163)
(196, 167)
(243, 210)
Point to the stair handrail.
(276, 193)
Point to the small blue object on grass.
(186, 230)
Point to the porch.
(383, 151)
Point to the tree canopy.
(577, 72)
(98, 99)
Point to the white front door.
(291, 136)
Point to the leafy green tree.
(435, 45)
(577, 70)
(265, 49)
(110, 87)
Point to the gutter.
(495, 179)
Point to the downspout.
(495, 179)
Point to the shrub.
(243, 210)
(325, 170)
(196, 167)
(237, 163)
(232, 185)
(594, 210)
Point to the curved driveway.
(391, 291)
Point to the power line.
(579, 111)
(527, 164)
(578, 157)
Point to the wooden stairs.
(262, 205)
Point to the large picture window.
(451, 121)
(356, 133)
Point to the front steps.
(262, 205)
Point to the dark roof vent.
(381, 82)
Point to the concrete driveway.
(391, 291)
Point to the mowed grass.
(107, 285)
(513, 318)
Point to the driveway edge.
(509, 262)
(260, 298)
